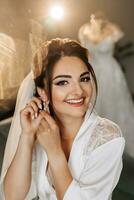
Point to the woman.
(67, 151)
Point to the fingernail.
(45, 106)
(40, 106)
(36, 115)
(32, 117)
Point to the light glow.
(56, 12)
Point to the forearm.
(60, 172)
(18, 177)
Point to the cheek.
(89, 90)
(58, 94)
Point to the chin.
(76, 113)
(71, 111)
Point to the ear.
(42, 94)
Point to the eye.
(61, 83)
(85, 79)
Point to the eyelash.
(60, 83)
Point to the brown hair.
(46, 57)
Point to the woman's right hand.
(30, 117)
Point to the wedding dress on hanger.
(114, 100)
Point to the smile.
(75, 102)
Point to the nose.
(77, 89)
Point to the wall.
(15, 15)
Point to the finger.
(49, 119)
(44, 123)
(39, 118)
(42, 129)
(46, 106)
(28, 111)
(34, 107)
(38, 101)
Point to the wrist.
(56, 155)
(28, 139)
(28, 132)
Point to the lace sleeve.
(104, 131)
(102, 167)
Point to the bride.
(114, 98)
(58, 148)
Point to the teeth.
(74, 101)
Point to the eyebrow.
(69, 76)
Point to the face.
(71, 87)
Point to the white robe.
(95, 163)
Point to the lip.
(76, 104)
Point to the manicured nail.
(45, 106)
(40, 106)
